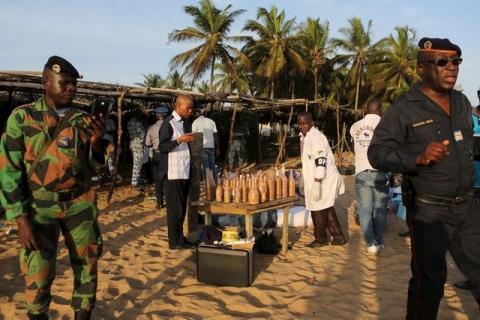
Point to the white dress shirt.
(178, 158)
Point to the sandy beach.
(140, 278)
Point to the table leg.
(208, 219)
(249, 225)
(285, 231)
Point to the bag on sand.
(267, 243)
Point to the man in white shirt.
(210, 141)
(322, 183)
(175, 133)
(371, 185)
(152, 140)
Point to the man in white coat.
(322, 183)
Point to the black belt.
(61, 196)
(370, 170)
(443, 201)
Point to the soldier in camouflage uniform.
(52, 194)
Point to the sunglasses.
(442, 62)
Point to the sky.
(117, 41)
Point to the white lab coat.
(315, 147)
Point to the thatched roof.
(30, 81)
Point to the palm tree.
(394, 63)
(203, 87)
(175, 80)
(277, 45)
(357, 48)
(228, 82)
(152, 80)
(314, 38)
(212, 26)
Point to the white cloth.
(362, 134)
(318, 162)
(153, 133)
(208, 128)
(297, 217)
(178, 158)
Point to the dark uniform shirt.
(409, 125)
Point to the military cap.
(162, 109)
(437, 44)
(60, 65)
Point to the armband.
(321, 162)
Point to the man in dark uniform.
(427, 135)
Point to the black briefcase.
(225, 267)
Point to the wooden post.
(284, 138)
(196, 151)
(338, 123)
(117, 148)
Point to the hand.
(187, 137)
(26, 234)
(217, 152)
(435, 151)
(316, 190)
(98, 127)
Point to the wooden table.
(248, 210)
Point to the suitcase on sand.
(224, 267)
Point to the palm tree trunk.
(357, 89)
(315, 75)
(211, 75)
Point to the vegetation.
(281, 58)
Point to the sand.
(140, 278)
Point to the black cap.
(437, 44)
(58, 64)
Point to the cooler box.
(224, 267)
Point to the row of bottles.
(256, 188)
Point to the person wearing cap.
(427, 135)
(210, 141)
(48, 153)
(152, 141)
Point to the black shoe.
(317, 244)
(83, 314)
(404, 234)
(463, 285)
(339, 242)
(40, 316)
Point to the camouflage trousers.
(138, 154)
(84, 244)
(237, 150)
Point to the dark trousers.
(176, 193)
(434, 229)
(158, 178)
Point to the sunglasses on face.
(442, 62)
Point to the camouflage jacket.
(66, 164)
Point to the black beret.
(437, 44)
(60, 65)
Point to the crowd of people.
(50, 150)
